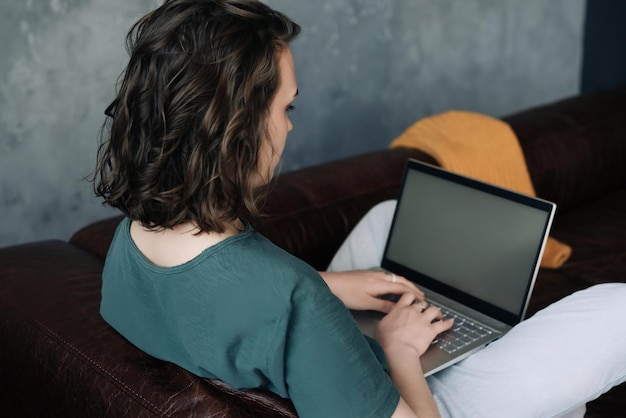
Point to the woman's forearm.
(408, 377)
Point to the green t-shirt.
(248, 313)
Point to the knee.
(607, 290)
(601, 302)
(607, 297)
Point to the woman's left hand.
(361, 289)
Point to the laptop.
(473, 248)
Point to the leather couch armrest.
(97, 236)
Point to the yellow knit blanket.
(483, 148)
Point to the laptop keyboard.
(463, 332)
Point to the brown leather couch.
(59, 358)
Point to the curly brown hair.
(182, 137)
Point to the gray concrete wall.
(366, 69)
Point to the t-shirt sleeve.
(329, 368)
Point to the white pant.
(550, 365)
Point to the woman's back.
(248, 313)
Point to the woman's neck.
(175, 246)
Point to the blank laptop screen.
(479, 243)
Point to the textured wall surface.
(366, 70)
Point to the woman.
(194, 136)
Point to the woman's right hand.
(405, 333)
(408, 327)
